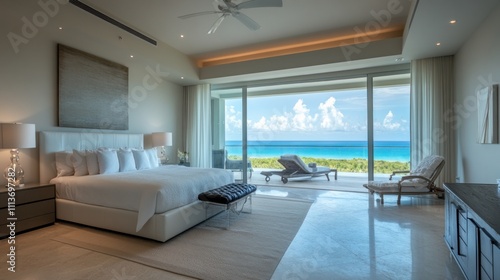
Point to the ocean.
(383, 150)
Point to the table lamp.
(162, 139)
(16, 136)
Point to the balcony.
(346, 181)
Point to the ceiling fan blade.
(259, 4)
(248, 22)
(200, 14)
(217, 24)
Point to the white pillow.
(108, 161)
(126, 160)
(141, 159)
(64, 164)
(80, 163)
(153, 157)
(92, 163)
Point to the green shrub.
(356, 165)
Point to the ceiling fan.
(228, 8)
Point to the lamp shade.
(18, 135)
(162, 139)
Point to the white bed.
(156, 203)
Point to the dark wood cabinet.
(471, 228)
(34, 207)
(459, 232)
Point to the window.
(325, 122)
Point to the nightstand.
(35, 207)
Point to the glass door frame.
(370, 123)
(218, 140)
(244, 133)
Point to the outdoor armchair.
(220, 159)
(418, 181)
(237, 165)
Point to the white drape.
(432, 98)
(198, 124)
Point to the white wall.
(477, 65)
(28, 71)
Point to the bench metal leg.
(232, 207)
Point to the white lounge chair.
(418, 181)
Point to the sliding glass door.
(391, 124)
(229, 132)
(321, 122)
(358, 125)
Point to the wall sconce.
(162, 139)
(16, 136)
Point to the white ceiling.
(425, 22)
(430, 25)
(295, 20)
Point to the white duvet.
(148, 191)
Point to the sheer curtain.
(432, 100)
(198, 124)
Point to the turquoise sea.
(383, 150)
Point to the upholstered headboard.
(52, 142)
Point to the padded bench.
(228, 197)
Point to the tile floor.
(346, 181)
(350, 235)
(346, 235)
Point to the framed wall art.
(93, 92)
(487, 115)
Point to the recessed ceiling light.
(438, 44)
(182, 36)
(182, 78)
(131, 56)
(453, 21)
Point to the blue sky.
(334, 116)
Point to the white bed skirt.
(160, 227)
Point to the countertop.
(482, 199)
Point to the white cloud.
(233, 119)
(389, 123)
(275, 123)
(302, 120)
(331, 117)
(279, 123)
(261, 124)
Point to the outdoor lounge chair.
(418, 181)
(295, 167)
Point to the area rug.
(250, 248)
